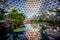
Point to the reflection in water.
(32, 26)
(28, 26)
(28, 34)
(33, 32)
(18, 37)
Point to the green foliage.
(2, 11)
(56, 18)
(43, 17)
(16, 17)
(50, 18)
(19, 29)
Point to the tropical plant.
(50, 18)
(42, 18)
(16, 17)
(2, 11)
(56, 18)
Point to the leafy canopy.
(16, 17)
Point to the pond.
(21, 35)
(32, 32)
(35, 31)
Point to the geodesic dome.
(31, 8)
